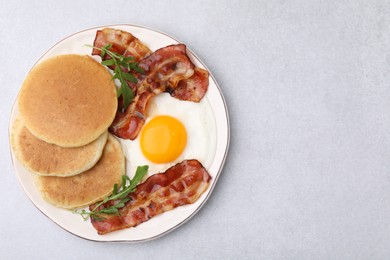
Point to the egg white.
(197, 118)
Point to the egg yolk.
(163, 139)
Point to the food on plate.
(90, 186)
(198, 121)
(119, 195)
(181, 184)
(122, 67)
(52, 160)
(68, 100)
(123, 43)
(173, 132)
(163, 139)
(67, 105)
(165, 70)
(193, 88)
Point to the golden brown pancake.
(68, 100)
(90, 186)
(52, 160)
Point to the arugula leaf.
(119, 196)
(139, 174)
(123, 66)
(108, 62)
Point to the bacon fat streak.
(181, 184)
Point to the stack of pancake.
(66, 105)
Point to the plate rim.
(211, 189)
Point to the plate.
(161, 224)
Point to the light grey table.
(307, 84)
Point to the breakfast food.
(180, 185)
(68, 100)
(168, 69)
(197, 120)
(194, 88)
(157, 110)
(51, 160)
(66, 104)
(123, 43)
(163, 139)
(90, 186)
(163, 70)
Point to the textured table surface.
(307, 84)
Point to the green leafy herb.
(123, 66)
(118, 196)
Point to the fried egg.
(174, 130)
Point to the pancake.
(51, 160)
(68, 100)
(90, 186)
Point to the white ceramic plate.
(167, 221)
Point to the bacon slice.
(164, 69)
(122, 42)
(181, 184)
(194, 88)
(167, 70)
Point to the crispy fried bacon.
(194, 88)
(163, 70)
(122, 42)
(181, 184)
(166, 70)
